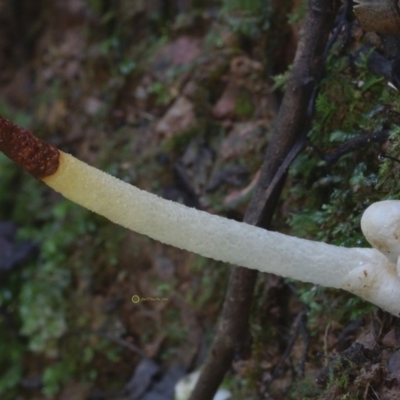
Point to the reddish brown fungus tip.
(35, 156)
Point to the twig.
(306, 340)
(382, 155)
(297, 327)
(355, 144)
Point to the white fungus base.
(365, 272)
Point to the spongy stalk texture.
(201, 232)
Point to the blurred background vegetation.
(178, 98)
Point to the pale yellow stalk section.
(226, 240)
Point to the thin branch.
(355, 144)
(301, 317)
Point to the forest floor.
(185, 113)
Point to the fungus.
(368, 273)
(381, 227)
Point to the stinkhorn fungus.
(368, 273)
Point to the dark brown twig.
(301, 317)
(355, 144)
(306, 339)
(382, 156)
(291, 120)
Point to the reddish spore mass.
(34, 155)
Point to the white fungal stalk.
(368, 273)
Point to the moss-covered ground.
(184, 108)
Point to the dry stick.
(356, 144)
(292, 117)
(300, 319)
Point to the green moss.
(162, 93)
(389, 171)
(248, 18)
(244, 107)
(253, 6)
(11, 363)
(332, 198)
(204, 130)
(304, 389)
(55, 376)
